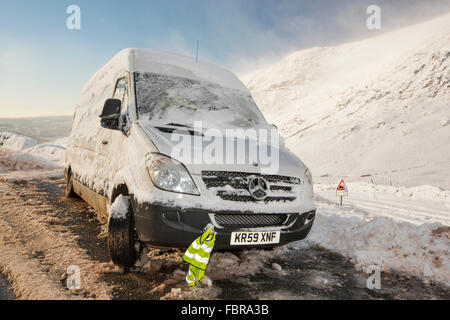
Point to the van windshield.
(163, 99)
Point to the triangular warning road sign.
(342, 186)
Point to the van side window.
(121, 93)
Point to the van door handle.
(105, 142)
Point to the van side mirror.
(110, 116)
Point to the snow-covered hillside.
(376, 110)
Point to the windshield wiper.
(180, 131)
(178, 125)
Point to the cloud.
(251, 34)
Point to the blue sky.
(44, 65)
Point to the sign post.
(342, 190)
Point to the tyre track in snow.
(42, 233)
(37, 249)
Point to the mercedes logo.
(258, 188)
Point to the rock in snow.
(277, 267)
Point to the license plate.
(256, 237)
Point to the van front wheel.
(122, 236)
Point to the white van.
(123, 158)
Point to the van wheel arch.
(120, 189)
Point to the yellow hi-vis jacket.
(197, 255)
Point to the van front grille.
(233, 186)
(250, 220)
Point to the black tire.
(69, 191)
(122, 239)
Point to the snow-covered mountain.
(377, 109)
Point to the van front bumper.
(163, 226)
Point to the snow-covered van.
(135, 153)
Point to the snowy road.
(42, 233)
(414, 205)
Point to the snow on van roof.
(153, 61)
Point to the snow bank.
(54, 152)
(16, 142)
(24, 160)
(398, 228)
(419, 250)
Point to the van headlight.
(170, 175)
(309, 177)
